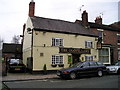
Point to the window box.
(54, 65)
(61, 65)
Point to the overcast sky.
(14, 13)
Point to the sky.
(14, 13)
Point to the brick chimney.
(85, 18)
(98, 20)
(31, 8)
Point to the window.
(101, 35)
(93, 64)
(118, 38)
(57, 42)
(88, 58)
(57, 59)
(104, 55)
(88, 44)
(100, 38)
(118, 54)
(99, 63)
(86, 64)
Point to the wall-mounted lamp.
(29, 30)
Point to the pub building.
(54, 44)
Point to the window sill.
(57, 46)
(89, 48)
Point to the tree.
(16, 39)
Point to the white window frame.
(57, 59)
(57, 41)
(117, 39)
(89, 58)
(106, 55)
(88, 44)
(118, 54)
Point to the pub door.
(76, 58)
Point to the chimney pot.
(85, 18)
(98, 20)
(31, 8)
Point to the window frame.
(118, 54)
(118, 39)
(103, 56)
(89, 58)
(102, 34)
(57, 59)
(57, 42)
(88, 44)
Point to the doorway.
(76, 58)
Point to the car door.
(93, 67)
(84, 69)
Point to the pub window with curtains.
(88, 44)
(57, 42)
(57, 59)
(88, 58)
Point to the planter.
(53, 65)
(61, 65)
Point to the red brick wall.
(110, 37)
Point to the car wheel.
(72, 75)
(100, 73)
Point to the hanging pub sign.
(75, 50)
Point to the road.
(108, 81)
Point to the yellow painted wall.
(27, 42)
(43, 44)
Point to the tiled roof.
(55, 25)
(102, 26)
(11, 48)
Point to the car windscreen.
(117, 64)
(14, 61)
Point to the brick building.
(109, 38)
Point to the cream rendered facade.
(42, 44)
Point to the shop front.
(75, 54)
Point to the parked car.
(83, 68)
(16, 65)
(114, 68)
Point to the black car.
(83, 68)
(16, 65)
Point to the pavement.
(26, 76)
